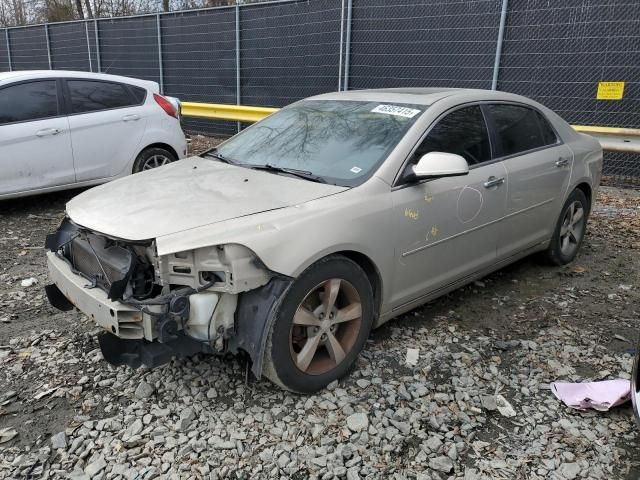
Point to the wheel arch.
(585, 188)
(165, 146)
(373, 275)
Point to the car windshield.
(338, 142)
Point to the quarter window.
(462, 132)
(28, 101)
(90, 96)
(520, 128)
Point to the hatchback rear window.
(91, 96)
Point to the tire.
(291, 361)
(152, 158)
(570, 230)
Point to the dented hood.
(187, 194)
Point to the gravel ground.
(477, 404)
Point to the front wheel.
(153, 158)
(570, 229)
(320, 326)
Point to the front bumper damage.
(155, 308)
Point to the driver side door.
(446, 229)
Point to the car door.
(107, 123)
(447, 228)
(538, 168)
(35, 145)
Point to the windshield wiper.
(214, 154)
(291, 171)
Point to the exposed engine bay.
(185, 301)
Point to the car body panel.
(156, 203)
(22, 163)
(104, 142)
(435, 222)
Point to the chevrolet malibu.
(292, 240)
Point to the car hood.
(187, 194)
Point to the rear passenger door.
(538, 167)
(35, 145)
(107, 123)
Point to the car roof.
(35, 74)
(417, 96)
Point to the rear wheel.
(153, 158)
(321, 326)
(570, 229)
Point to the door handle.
(493, 182)
(131, 118)
(47, 131)
(562, 162)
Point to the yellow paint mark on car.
(428, 198)
(434, 231)
(412, 214)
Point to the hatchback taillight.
(166, 105)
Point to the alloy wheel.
(325, 326)
(572, 229)
(155, 161)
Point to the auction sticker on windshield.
(396, 110)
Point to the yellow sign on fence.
(610, 90)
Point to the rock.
(504, 407)
(144, 390)
(569, 471)
(362, 383)
(357, 422)
(28, 282)
(59, 440)
(212, 393)
(96, 467)
(441, 464)
(489, 402)
(134, 429)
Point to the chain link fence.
(276, 52)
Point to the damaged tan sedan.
(296, 237)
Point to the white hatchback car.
(62, 129)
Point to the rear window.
(28, 101)
(91, 96)
(520, 128)
(139, 93)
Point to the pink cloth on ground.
(597, 395)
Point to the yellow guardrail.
(611, 138)
(218, 111)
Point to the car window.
(28, 101)
(341, 141)
(520, 128)
(90, 96)
(462, 132)
(139, 93)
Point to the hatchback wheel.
(153, 158)
(320, 327)
(570, 229)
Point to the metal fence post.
(86, 31)
(496, 63)
(95, 27)
(6, 36)
(238, 84)
(46, 34)
(160, 67)
(347, 53)
(341, 45)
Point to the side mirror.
(440, 164)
